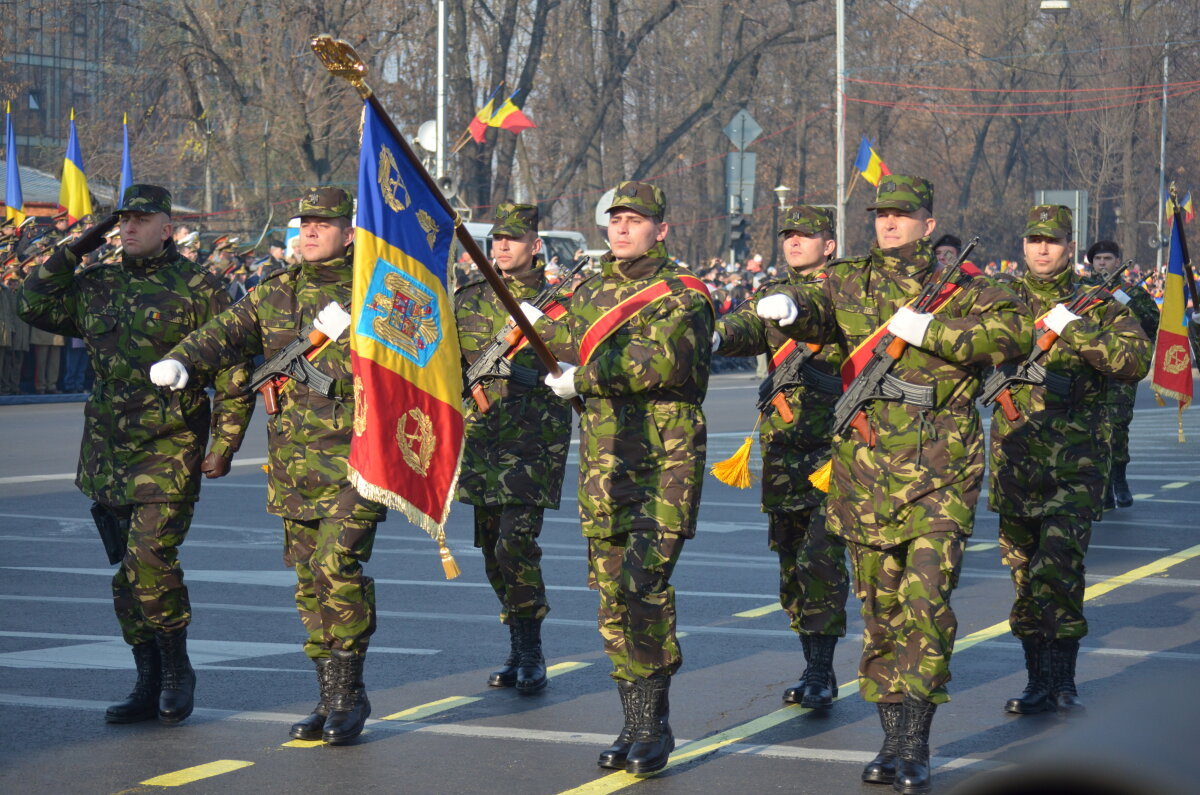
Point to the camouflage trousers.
(508, 534)
(813, 580)
(632, 572)
(148, 590)
(910, 627)
(1120, 414)
(335, 599)
(1045, 554)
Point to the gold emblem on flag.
(1175, 360)
(429, 225)
(415, 437)
(391, 184)
(408, 321)
(360, 407)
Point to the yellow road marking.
(190, 774)
(303, 743)
(614, 782)
(759, 611)
(432, 708)
(558, 669)
(1179, 485)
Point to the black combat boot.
(1036, 697)
(882, 769)
(348, 704)
(142, 703)
(531, 665)
(1120, 486)
(615, 755)
(795, 693)
(176, 700)
(310, 728)
(653, 741)
(1110, 501)
(507, 675)
(912, 770)
(820, 687)
(1063, 652)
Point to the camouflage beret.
(1048, 220)
(326, 202)
(904, 193)
(807, 220)
(514, 220)
(145, 199)
(641, 197)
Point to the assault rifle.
(784, 377)
(492, 364)
(292, 362)
(871, 382)
(998, 387)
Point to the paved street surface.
(437, 728)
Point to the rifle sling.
(820, 381)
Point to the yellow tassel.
(735, 471)
(448, 564)
(820, 478)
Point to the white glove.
(563, 385)
(169, 373)
(716, 341)
(1058, 318)
(1121, 296)
(910, 326)
(531, 312)
(332, 320)
(778, 307)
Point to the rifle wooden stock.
(270, 396)
(1005, 401)
(270, 390)
(861, 424)
(781, 405)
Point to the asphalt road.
(438, 728)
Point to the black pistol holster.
(114, 531)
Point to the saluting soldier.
(640, 338)
(328, 527)
(1047, 468)
(813, 582)
(515, 453)
(142, 450)
(905, 499)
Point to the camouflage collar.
(910, 259)
(338, 269)
(168, 255)
(534, 277)
(1057, 286)
(640, 268)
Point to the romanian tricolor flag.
(408, 421)
(869, 163)
(14, 200)
(73, 196)
(510, 117)
(1189, 212)
(478, 126)
(126, 164)
(1172, 375)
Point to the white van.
(555, 242)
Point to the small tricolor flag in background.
(869, 163)
(73, 195)
(1172, 375)
(14, 200)
(408, 421)
(1189, 212)
(478, 126)
(126, 165)
(509, 116)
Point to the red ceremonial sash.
(619, 315)
(865, 350)
(553, 310)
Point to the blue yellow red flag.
(869, 163)
(1189, 211)
(1172, 374)
(14, 199)
(509, 116)
(478, 125)
(73, 195)
(408, 420)
(126, 164)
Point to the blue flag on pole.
(14, 199)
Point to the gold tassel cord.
(448, 564)
(820, 477)
(735, 470)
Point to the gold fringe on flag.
(735, 470)
(820, 477)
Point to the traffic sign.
(742, 129)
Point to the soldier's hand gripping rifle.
(870, 383)
(292, 363)
(784, 377)
(492, 362)
(998, 387)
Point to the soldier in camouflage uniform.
(813, 582)
(906, 503)
(1047, 467)
(642, 373)
(515, 453)
(142, 450)
(328, 527)
(1103, 256)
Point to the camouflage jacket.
(790, 451)
(309, 439)
(926, 469)
(1144, 308)
(516, 453)
(642, 433)
(141, 444)
(1054, 458)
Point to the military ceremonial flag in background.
(126, 165)
(14, 200)
(408, 421)
(73, 196)
(1172, 376)
(869, 164)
